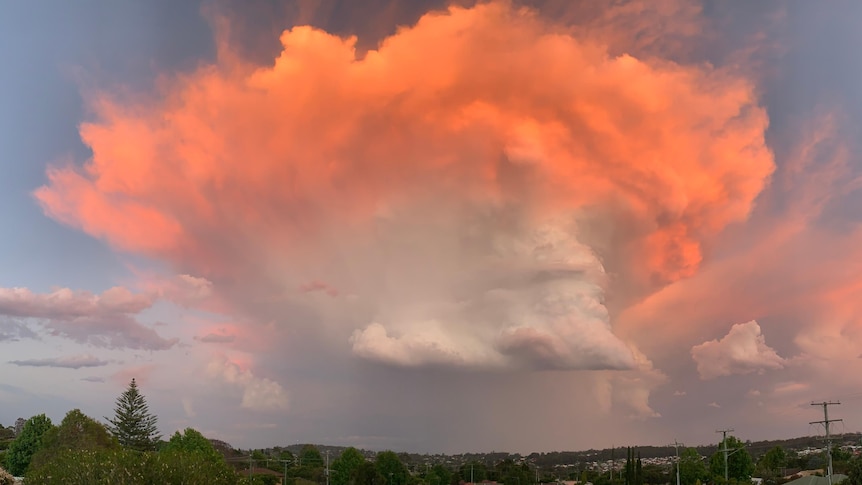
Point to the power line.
(724, 448)
(825, 422)
(676, 445)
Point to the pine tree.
(133, 425)
(629, 467)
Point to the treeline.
(128, 451)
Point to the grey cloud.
(12, 331)
(121, 331)
(93, 379)
(71, 362)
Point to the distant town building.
(816, 480)
(19, 425)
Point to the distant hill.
(561, 458)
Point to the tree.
(310, 456)
(691, 467)
(78, 432)
(438, 475)
(391, 468)
(133, 425)
(630, 467)
(854, 471)
(739, 463)
(656, 474)
(192, 441)
(474, 471)
(772, 463)
(367, 474)
(190, 458)
(344, 467)
(511, 473)
(21, 450)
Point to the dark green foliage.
(191, 441)
(133, 425)
(475, 471)
(657, 474)
(854, 471)
(740, 466)
(21, 450)
(77, 431)
(130, 467)
(634, 468)
(190, 467)
(510, 473)
(345, 467)
(310, 456)
(771, 465)
(691, 467)
(439, 475)
(391, 468)
(310, 466)
(367, 474)
(630, 469)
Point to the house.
(817, 480)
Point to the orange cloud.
(480, 142)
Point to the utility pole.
(724, 448)
(825, 424)
(327, 467)
(676, 445)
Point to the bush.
(129, 467)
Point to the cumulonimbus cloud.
(481, 181)
(742, 351)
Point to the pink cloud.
(485, 189)
(103, 320)
(742, 351)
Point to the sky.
(430, 226)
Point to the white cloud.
(258, 394)
(742, 351)
(188, 407)
(539, 304)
